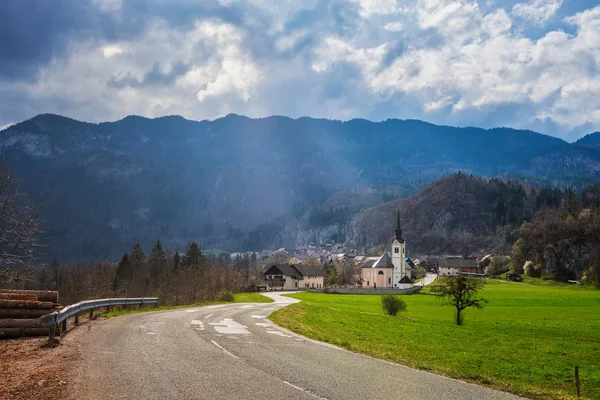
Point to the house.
(485, 261)
(391, 269)
(293, 276)
(359, 259)
(454, 265)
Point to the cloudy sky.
(532, 64)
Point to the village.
(305, 267)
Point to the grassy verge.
(239, 298)
(526, 340)
(252, 298)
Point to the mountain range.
(238, 183)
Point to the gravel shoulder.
(33, 371)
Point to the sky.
(532, 64)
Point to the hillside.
(236, 182)
(590, 139)
(457, 214)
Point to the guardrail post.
(49, 321)
(91, 313)
(77, 319)
(63, 327)
(51, 332)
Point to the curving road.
(234, 352)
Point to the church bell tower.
(398, 254)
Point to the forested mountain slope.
(238, 182)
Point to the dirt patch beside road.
(31, 371)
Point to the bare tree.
(459, 292)
(19, 230)
(349, 273)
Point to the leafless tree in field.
(19, 230)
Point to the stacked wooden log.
(20, 311)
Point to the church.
(390, 270)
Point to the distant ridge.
(235, 182)
(591, 138)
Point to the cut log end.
(22, 313)
(45, 305)
(42, 295)
(16, 296)
(8, 333)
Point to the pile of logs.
(20, 311)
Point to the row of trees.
(562, 243)
(173, 277)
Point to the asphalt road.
(233, 352)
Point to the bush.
(392, 304)
(225, 295)
(532, 270)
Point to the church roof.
(369, 264)
(385, 261)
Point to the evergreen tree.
(193, 256)
(157, 264)
(139, 280)
(122, 274)
(176, 262)
(137, 255)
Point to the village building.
(456, 265)
(293, 276)
(390, 270)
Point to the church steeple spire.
(399, 229)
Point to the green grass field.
(526, 340)
(239, 298)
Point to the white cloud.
(393, 26)
(220, 74)
(496, 23)
(537, 11)
(438, 104)
(232, 72)
(334, 50)
(452, 62)
(457, 20)
(368, 8)
(112, 50)
(555, 74)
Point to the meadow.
(525, 341)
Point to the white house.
(293, 276)
(455, 265)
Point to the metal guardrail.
(52, 320)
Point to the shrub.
(532, 270)
(392, 304)
(225, 295)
